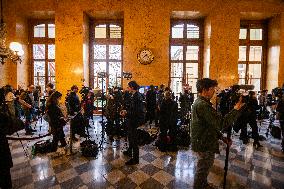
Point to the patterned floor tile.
(151, 183)
(114, 176)
(248, 167)
(139, 177)
(163, 177)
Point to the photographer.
(135, 117)
(249, 116)
(49, 89)
(280, 111)
(27, 101)
(56, 120)
(151, 104)
(10, 99)
(186, 99)
(77, 123)
(168, 121)
(206, 125)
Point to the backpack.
(275, 132)
(42, 147)
(89, 148)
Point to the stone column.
(222, 45)
(69, 65)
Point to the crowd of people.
(158, 107)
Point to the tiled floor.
(248, 168)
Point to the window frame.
(185, 42)
(40, 40)
(249, 24)
(104, 41)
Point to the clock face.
(145, 56)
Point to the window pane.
(242, 53)
(176, 53)
(39, 68)
(51, 51)
(192, 31)
(100, 51)
(39, 81)
(115, 31)
(99, 67)
(100, 31)
(255, 34)
(39, 51)
(191, 70)
(115, 52)
(51, 31)
(176, 85)
(39, 30)
(176, 69)
(115, 74)
(51, 79)
(254, 71)
(256, 83)
(242, 70)
(243, 34)
(192, 53)
(255, 53)
(177, 31)
(242, 81)
(51, 68)
(192, 85)
(98, 83)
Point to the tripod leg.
(22, 145)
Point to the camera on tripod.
(84, 92)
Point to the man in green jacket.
(206, 125)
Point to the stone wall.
(146, 24)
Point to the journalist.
(205, 129)
(56, 120)
(280, 111)
(135, 117)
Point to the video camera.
(277, 92)
(84, 92)
(229, 97)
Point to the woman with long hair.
(57, 120)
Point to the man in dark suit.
(135, 117)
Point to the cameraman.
(151, 104)
(135, 117)
(206, 125)
(27, 101)
(280, 111)
(186, 99)
(249, 116)
(74, 108)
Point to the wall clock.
(145, 56)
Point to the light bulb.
(17, 47)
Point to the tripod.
(102, 75)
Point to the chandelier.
(15, 50)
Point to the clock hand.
(145, 55)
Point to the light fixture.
(15, 50)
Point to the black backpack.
(275, 132)
(42, 147)
(89, 148)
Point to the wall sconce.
(15, 50)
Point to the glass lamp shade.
(17, 47)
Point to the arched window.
(186, 47)
(106, 53)
(42, 47)
(252, 51)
